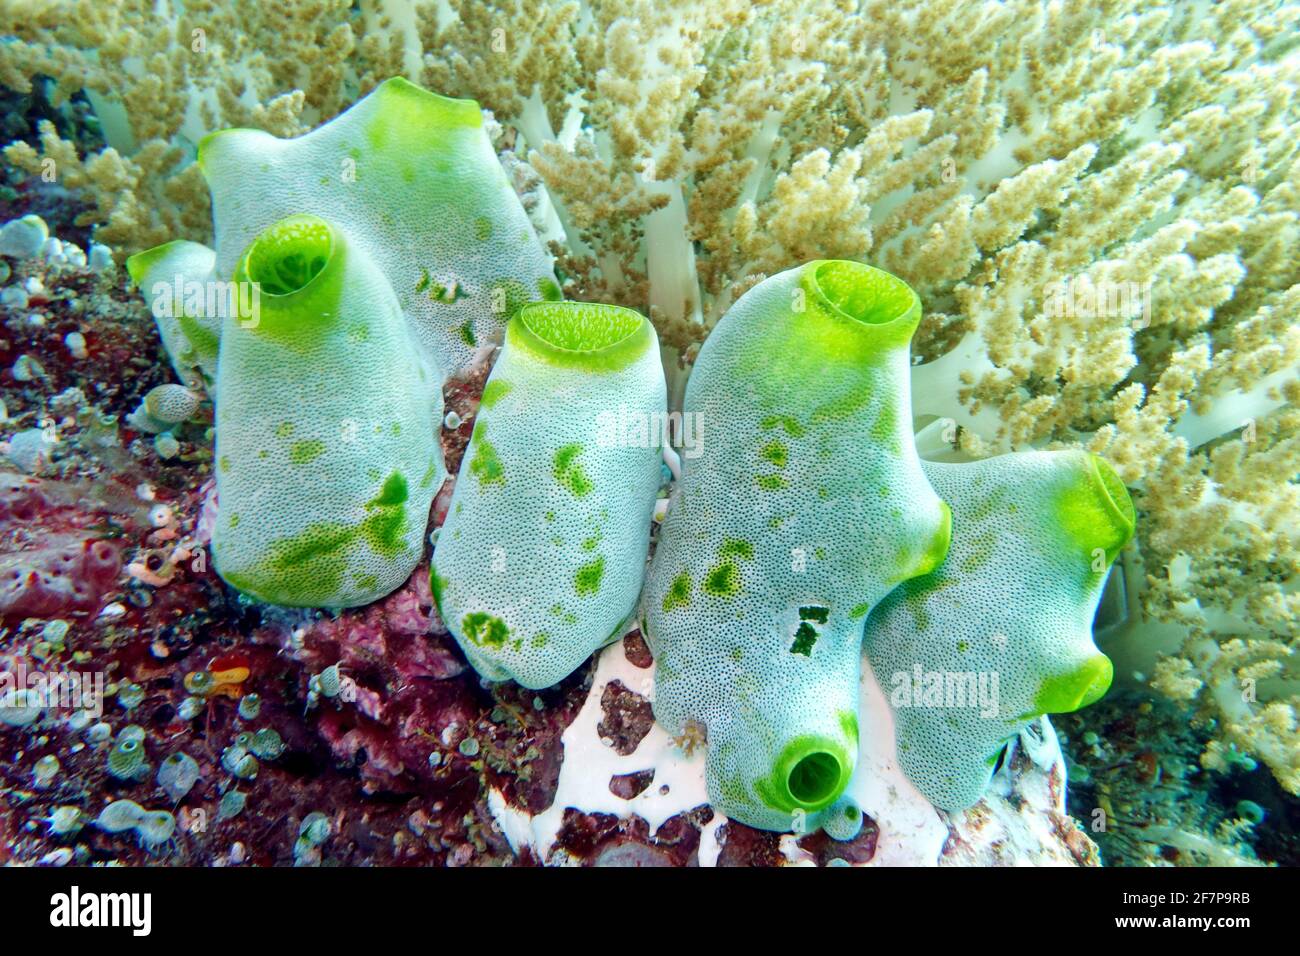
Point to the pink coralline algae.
(49, 563)
(59, 578)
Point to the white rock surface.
(1021, 821)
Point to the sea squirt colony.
(387, 248)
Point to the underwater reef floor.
(384, 746)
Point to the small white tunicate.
(112, 611)
(160, 516)
(34, 286)
(36, 320)
(73, 255)
(119, 816)
(27, 369)
(23, 238)
(451, 422)
(52, 250)
(100, 258)
(31, 449)
(76, 343)
(14, 297)
(46, 769)
(155, 828)
(65, 819)
(171, 403)
(19, 707)
(167, 446)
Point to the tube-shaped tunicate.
(805, 506)
(171, 403)
(413, 181)
(543, 551)
(1001, 631)
(178, 280)
(327, 451)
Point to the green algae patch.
(776, 453)
(805, 637)
(494, 391)
(586, 580)
(815, 612)
(485, 465)
(430, 473)
(484, 630)
(437, 586)
(303, 452)
(811, 618)
(784, 422)
(722, 580)
(302, 570)
(679, 592)
(568, 471)
(385, 524)
(937, 550)
(736, 548)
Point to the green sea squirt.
(412, 180)
(1001, 631)
(806, 507)
(327, 456)
(542, 555)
